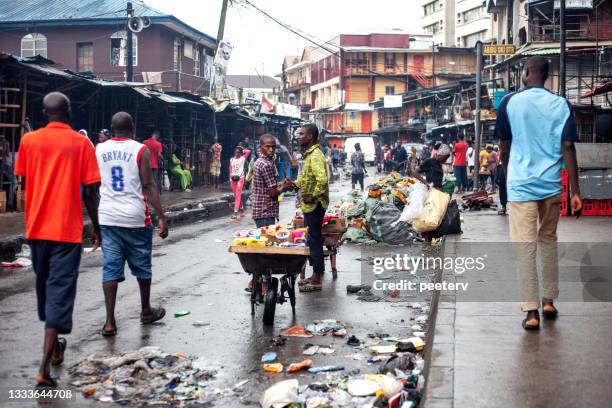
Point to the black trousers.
(314, 221)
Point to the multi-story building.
(534, 27)
(91, 37)
(456, 23)
(356, 69)
(295, 78)
(253, 89)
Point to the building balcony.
(175, 81)
(579, 26)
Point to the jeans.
(461, 177)
(120, 244)
(314, 221)
(56, 265)
(284, 170)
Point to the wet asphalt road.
(194, 271)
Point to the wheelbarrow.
(265, 262)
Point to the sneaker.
(188, 190)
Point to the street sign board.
(502, 49)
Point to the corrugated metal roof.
(542, 51)
(44, 10)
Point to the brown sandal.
(528, 326)
(549, 314)
(156, 314)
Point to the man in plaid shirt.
(265, 186)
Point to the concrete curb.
(177, 214)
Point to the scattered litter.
(324, 369)
(322, 327)
(311, 351)
(326, 350)
(240, 384)
(411, 344)
(356, 288)
(199, 323)
(296, 331)
(181, 313)
(295, 367)
(278, 341)
(318, 387)
(339, 333)
(421, 319)
(280, 394)
(273, 368)
(353, 341)
(362, 388)
(218, 240)
(268, 357)
(11, 265)
(356, 356)
(383, 349)
(317, 402)
(141, 377)
(419, 334)
(87, 250)
(417, 327)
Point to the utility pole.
(129, 45)
(222, 23)
(477, 135)
(562, 48)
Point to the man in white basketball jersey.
(127, 234)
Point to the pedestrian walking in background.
(492, 160)
(537, 132)
(460, 164)
(470, 160)
(179, 171)
(215, 164)
(103, 135)
(313, 183)
(156, 151)
(483, 160)
(55, 162)
(236, 172)
(358, 167)
(284, 161)
(335, 154)
(500, 180)
(127, 234)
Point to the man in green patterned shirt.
(313, 183)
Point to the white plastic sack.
(280, 394)
(417, 193)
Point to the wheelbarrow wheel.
(270, 302)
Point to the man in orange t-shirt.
(55, 162)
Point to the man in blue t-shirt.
(537, 132)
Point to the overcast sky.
(260, 44)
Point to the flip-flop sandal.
(550, 314)
(108, 333)
(62, 345)
(530, 326)
(309, 287)
(44, 381)
(156, 314)
(303, 282)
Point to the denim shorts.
(133, 245)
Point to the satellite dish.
(146, 22)
(135, 24)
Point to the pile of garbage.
(478, 201)
(271, 235)
(147, 376)
(371, 217)
(398, 381)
